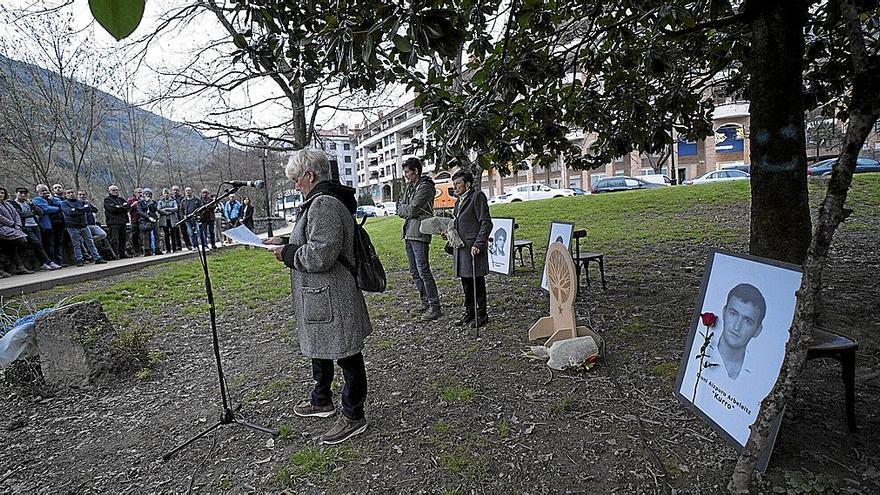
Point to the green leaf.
(402, 43)
(119, 17)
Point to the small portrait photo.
(737, 340)
(501, 245)
(559, 232)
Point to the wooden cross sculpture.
(561, 279)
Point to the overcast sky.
(167, 54)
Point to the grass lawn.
(618, 221)
(450, 412)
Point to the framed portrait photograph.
(736, 342)
(500, 255)
(559, 232)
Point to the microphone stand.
(227, 416)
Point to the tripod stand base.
(226, 417)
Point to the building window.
(729, 139)
(349, 184)
(687, 148)
(331, 145)
(347, 159)
(348, 171)
(346, 146)
(594, 178)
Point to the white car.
(530, 192)
(719, 176)
(370, 211)
(390, 207)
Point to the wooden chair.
(518, 247)
(828, 344)
(582, 260)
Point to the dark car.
(863, 165)
(365, 211)
(578, 191)
(622, 183)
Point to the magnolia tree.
(511, 80)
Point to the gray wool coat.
(473, 224)
(329, 306)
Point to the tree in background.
(622, 71)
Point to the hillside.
(118, 127)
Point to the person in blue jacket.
(52, 237)
(232, 212)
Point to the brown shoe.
(343, 430)
(308, 410)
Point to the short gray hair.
(308, 160)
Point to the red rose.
(709, 319)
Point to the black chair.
(582, 260)
(828, 344)
(518, 247)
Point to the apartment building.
(382, 147)
(340, 145)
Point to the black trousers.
(467, 284)
(175, 238)
(135, 238)
(11, 248)
(354, 392)
(118, 238)
(55, 246)
(208, 229)
(36, 242)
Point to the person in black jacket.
(148, 220)
(247, 215)
(186, 206)
(206, 222)
(77, 227)
(116, 212)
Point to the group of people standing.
(470, 262)
(52, 217)
(156, 227)
(330, 309)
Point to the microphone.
(246, 183)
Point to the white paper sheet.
(243, 235)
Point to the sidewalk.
(40, 280)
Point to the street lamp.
(266, 182)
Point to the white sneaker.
(54, 266)
(46, 267)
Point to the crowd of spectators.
(54, 219)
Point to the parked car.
(621, 183)
(719, 176)
(501, 198)
(531, 192)
(390, 207)
(657, 179)
(578, 191)
(370, 211)
(742, 168)
(863, 165)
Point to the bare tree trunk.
(780, 214)
(864, 110)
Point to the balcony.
(731, 110)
